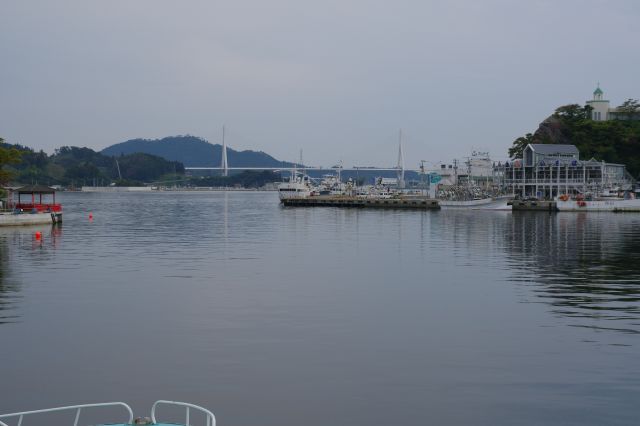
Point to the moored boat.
(489, 203)
(36, 211)
(602, 204)
(298, 186)
(472, 197)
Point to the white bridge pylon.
(224, 166)
(400, 166)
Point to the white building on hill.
(602, 110)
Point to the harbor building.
(549, 170)
(476, 170)
(602, 111)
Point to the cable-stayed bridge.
(399, 168)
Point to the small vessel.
(36, 211)
(579, 203)
(331, 185)
(298, 186)
(489, 203)
(471, 197)
(209, 418)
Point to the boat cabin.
(33, 199)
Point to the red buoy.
(38, 235)
(90, 216)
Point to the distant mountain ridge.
(193, 151)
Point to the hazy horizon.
(337, 80)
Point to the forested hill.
(193, 151)
(74, 166)
(614, 141)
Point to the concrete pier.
(415, 203)
(535, 205)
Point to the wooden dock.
(415, 203)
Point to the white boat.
(298, 186)
(209, 419)
(490, 203)
(331, 185)
(598, 205)
(466, 203)
(16, 218)
(35, 211)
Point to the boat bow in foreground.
(209, 418)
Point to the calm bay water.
(277, 316)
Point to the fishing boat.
(487, 203)
(472, 197)
(209, 419)
(34, 211)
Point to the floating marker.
(90, 216)
(38, 235)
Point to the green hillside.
(73, 166)
(193, 151)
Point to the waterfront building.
(549, 170)
(476, 170)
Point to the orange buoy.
(38, 235)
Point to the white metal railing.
(78, 409)
(210, 420)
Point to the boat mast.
(301, 161)
(294, 173)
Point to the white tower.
(600, 105)
(224, 165)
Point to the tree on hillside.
(7, 156)
(147, 168)
(630, 108)
(519, 145)
(573, 112)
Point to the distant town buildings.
(602, 110)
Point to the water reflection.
(8, 287)
(237, 303)
(19, 245)
(586, 266)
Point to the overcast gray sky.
(335, 78)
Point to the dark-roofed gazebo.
(34, 190)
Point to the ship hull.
(613, 205)
(23, 219)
